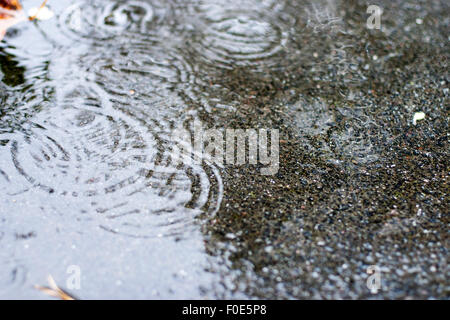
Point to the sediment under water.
(89, 102)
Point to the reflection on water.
(100, 144)
(12, 74)
(86, 132)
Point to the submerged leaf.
(11, 13)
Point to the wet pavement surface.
(90, 98)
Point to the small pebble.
(418, 116)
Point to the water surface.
(89, 102)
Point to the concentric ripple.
(241, 40)
(235, 36)
(98, 150)
(97, 162)
(137, 73)
(102, 20)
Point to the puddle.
(89, 103)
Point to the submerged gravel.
(362, 181)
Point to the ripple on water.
(338, 134)
(233, 35)
(110, 164)
(98, 147)
(103, 20)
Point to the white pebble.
(418, 116)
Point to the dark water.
(89, 100)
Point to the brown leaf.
(54, 291)
(11, 13)
(11, 5)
